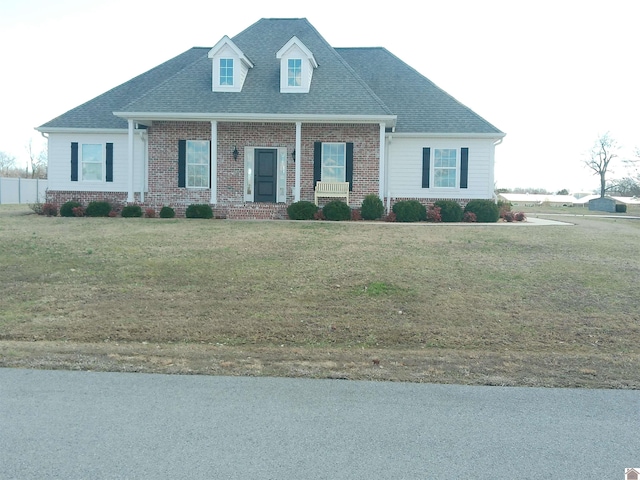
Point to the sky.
(554, 75)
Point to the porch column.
(296, 188)
(130, 139)
(382, 165)
(214, 162)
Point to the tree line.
(36, 164)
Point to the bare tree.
(604, 150)
(37, 162)
(7, 164)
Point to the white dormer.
(230, 66)
(296, 67)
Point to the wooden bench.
(332, 189)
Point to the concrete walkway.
(84, 425)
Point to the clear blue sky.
(553, 75)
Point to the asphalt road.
(86, 425)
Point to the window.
(226, 71)
(92, 160)
(197, 163)
(444, 167)
(294, 72)
(333, 162)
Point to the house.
(253, 123)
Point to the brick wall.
(163, 165)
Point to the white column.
(214, 162)
(130, 189)
(296, 188)
(382, 165)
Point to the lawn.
(468, 304)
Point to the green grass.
(512, 305)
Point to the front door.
(266, 173)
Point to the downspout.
(46, 190)
(493, 166)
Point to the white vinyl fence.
(22, 190)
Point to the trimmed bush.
(469, 217)
(150, 213)
(410, 211)
(130, 211)
(199, 210)
(486, 210)
(433, 214)
(167, 212)
(98, 209)
(66, 210)
(372, 207)
(337, 211)
(450, 210)
(49, 209)
(302, 210)
(621, 208)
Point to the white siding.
(404, 166)
(59, 162)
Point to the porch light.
(235, 152)
(293, 154)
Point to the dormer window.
(294, 72)
(226, 71)
(296, 67)
(229, 66)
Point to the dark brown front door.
(265, 178)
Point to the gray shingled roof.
(335, 88)
(98, 113)
(420, 105)
(348, 81)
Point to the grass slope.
(516, 305)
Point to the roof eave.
(142, 117)
(450, 135)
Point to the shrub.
(433, 214)
(78, 211)
(508, 217)
(150, 213)
(372, 207)
(391, 217)
(201, 210)
(37, 208)
(486, 210)
(98, 209)
(113, 213)
(356, 215)
(130, 211)
(450, 210)
(520, 217)
(336, 211)
(469, 217)
(319, 215)
(167, 212)
(503, 207)
(409, 211)
(302, 210)
(66, 210)
(621, 208)
(50, 209)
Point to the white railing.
(22, 190)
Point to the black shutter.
(426, 166)
(464, 167)
(182, 163)
(317, 163)
(349, 166)
(109, 162)
(74, 161)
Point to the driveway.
(85, 425)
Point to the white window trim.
(103, 162)
(344, 167)
(434, 168)
(233, 72)
(208, 164)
